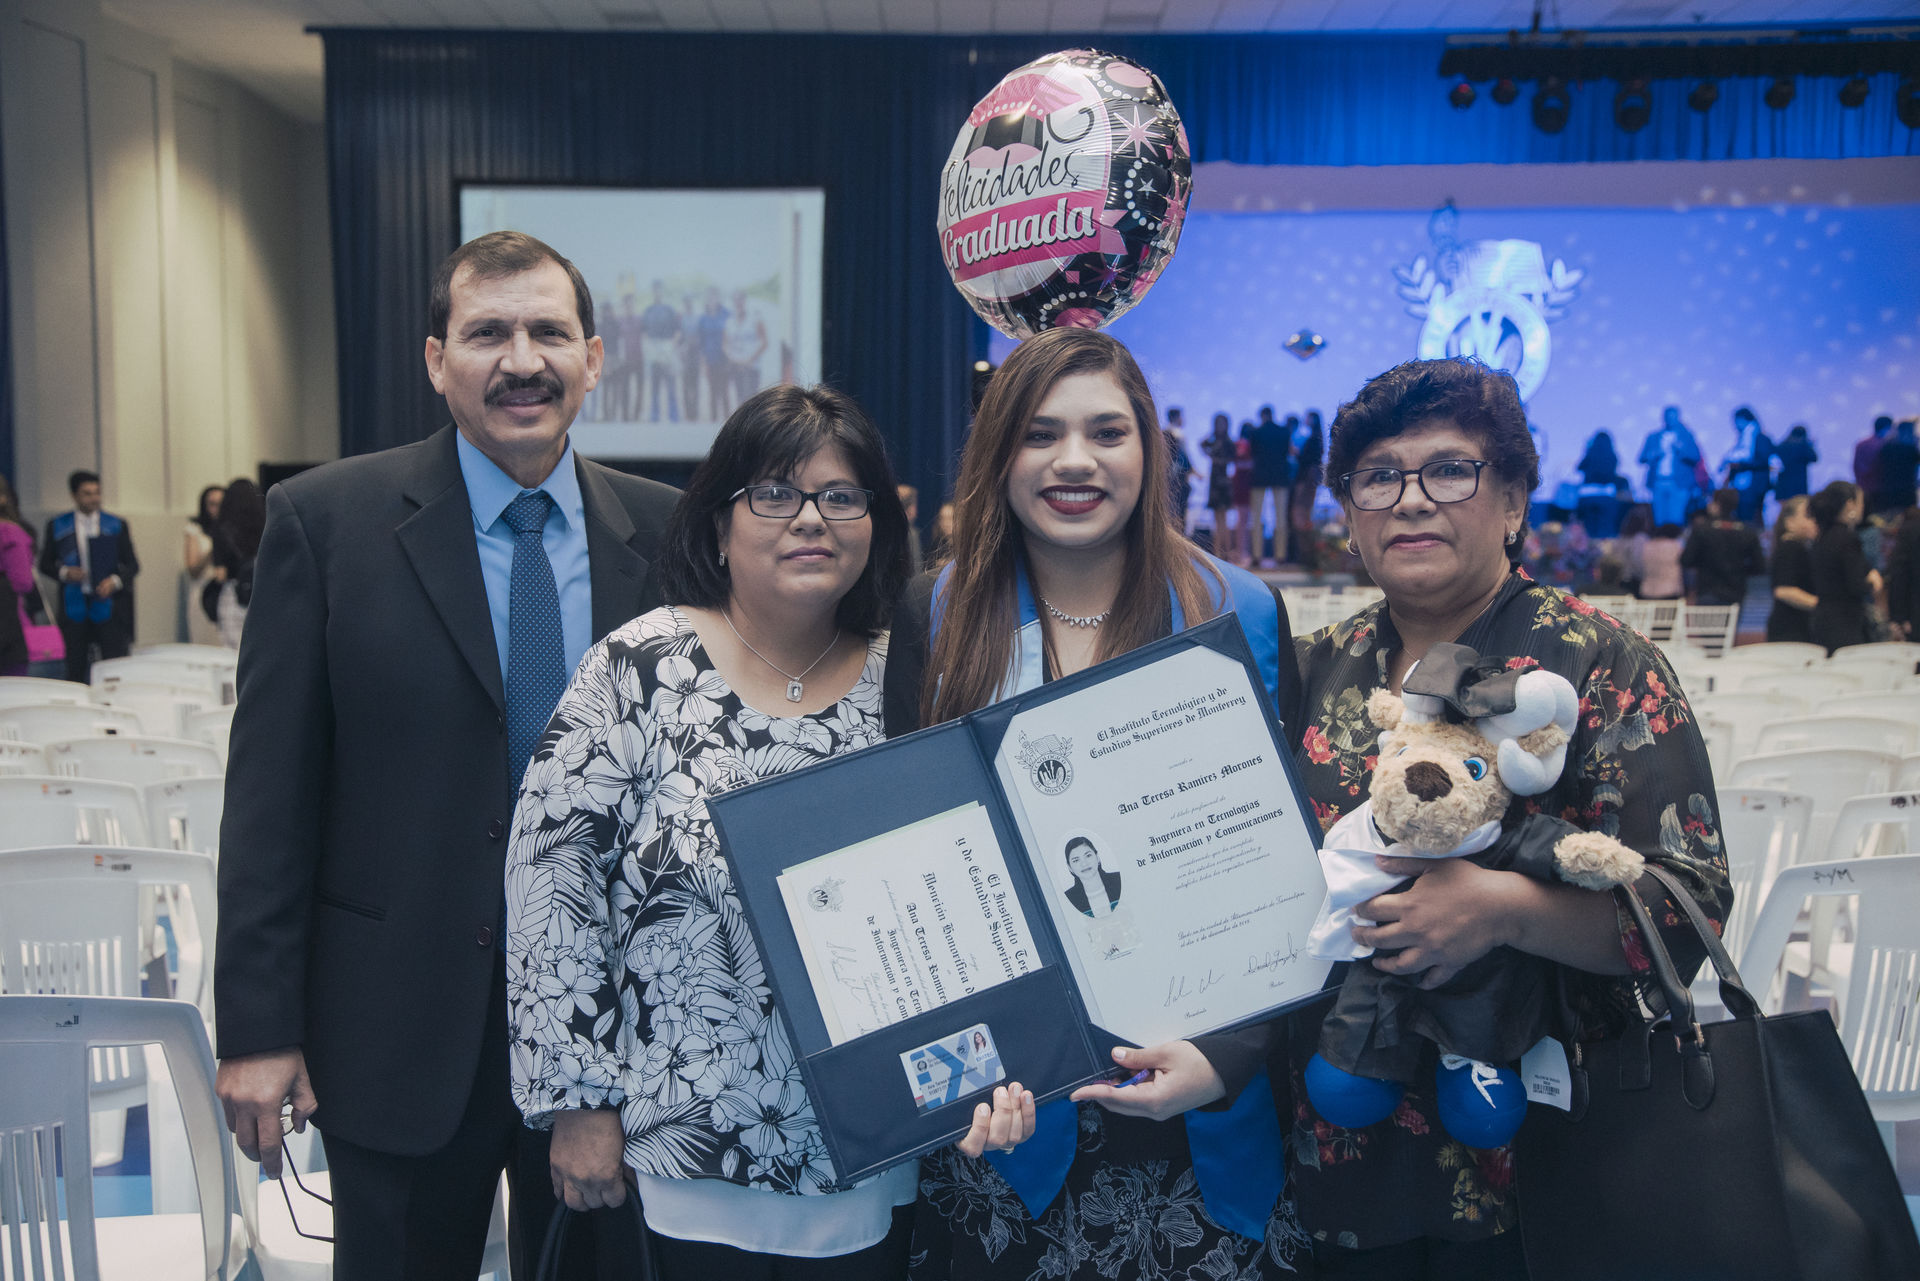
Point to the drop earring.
(723, 555)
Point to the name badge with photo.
(953, 1067)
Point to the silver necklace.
(1092, 620)
(795, 690)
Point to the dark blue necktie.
(536, 657)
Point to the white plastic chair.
(1763, 830)
(1878, 1011)
(163, 709)
(1708, 627)
(70, 811)
(1614, 605)
(1830, 775)
(1873, 672)
(50, 722)
(1853, 730)
(213, 657)
(1895, 703)
(133, 759)
(1654, 619)
(192, 677)
(1909, 651)
(46, 1043)
(34, 691)
(1718, 735)
(1811, 685)
(1781, 653)
(1748, 713)
(1875, 825)
(1724, 675)
(21, 758)
(214, 726)
(70, 919)
(1907, 777)
(184, 813)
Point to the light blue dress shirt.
(489, 490)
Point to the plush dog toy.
(1442, 788)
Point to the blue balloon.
(1480, 1104)
(1348, 1101)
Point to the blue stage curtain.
(871, 119)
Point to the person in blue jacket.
(1065, 554)
(89, 552)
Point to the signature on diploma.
(1273, 958)
(1182, 986)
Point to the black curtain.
(6, 353)
(870, 119)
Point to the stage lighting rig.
(1551, 106)
(1633, 106)
(1461, 96)
(1776, 58)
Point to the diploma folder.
(862, 1095)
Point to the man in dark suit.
(90, 553)
(415, 615)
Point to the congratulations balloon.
(1064, 196)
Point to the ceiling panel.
(262, 44)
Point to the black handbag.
(553, 1249)
(1742, 1150)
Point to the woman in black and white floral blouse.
(643, 1026)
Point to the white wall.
(171, 278)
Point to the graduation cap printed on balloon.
(1064, 195)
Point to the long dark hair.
(1825, 507)
(243, 518)
(975, 644)
(201, 516)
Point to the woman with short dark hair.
(1433, 464)
(644, 1028)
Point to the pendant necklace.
(1091, 620)
(795, 690)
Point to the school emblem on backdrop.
(1490, 299)
(1048, 762)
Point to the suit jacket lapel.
(439, 541)
(617, 569)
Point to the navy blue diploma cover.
(863, 1097)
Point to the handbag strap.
(553, 1248)
(1733, 991)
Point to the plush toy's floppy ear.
(1384, 708)
(1532, 737)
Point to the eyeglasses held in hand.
(288, 1167)
(1444, 480)
(783, 502)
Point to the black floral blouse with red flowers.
(1636, 769)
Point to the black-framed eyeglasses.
(288, 1167)
(783, 502)
(1444, 480)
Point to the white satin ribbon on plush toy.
(1347, 857)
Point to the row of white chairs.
(168, 719)
(172, 813)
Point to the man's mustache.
(539, 382)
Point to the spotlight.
(1633, 106)
(1461, 96)
(1906, 102)
(1505, 91)
(1853, 92)
(1704, 95)
(1779, 94)
(1551, 105)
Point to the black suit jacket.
(364, 842)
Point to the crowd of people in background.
(1261, 485)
